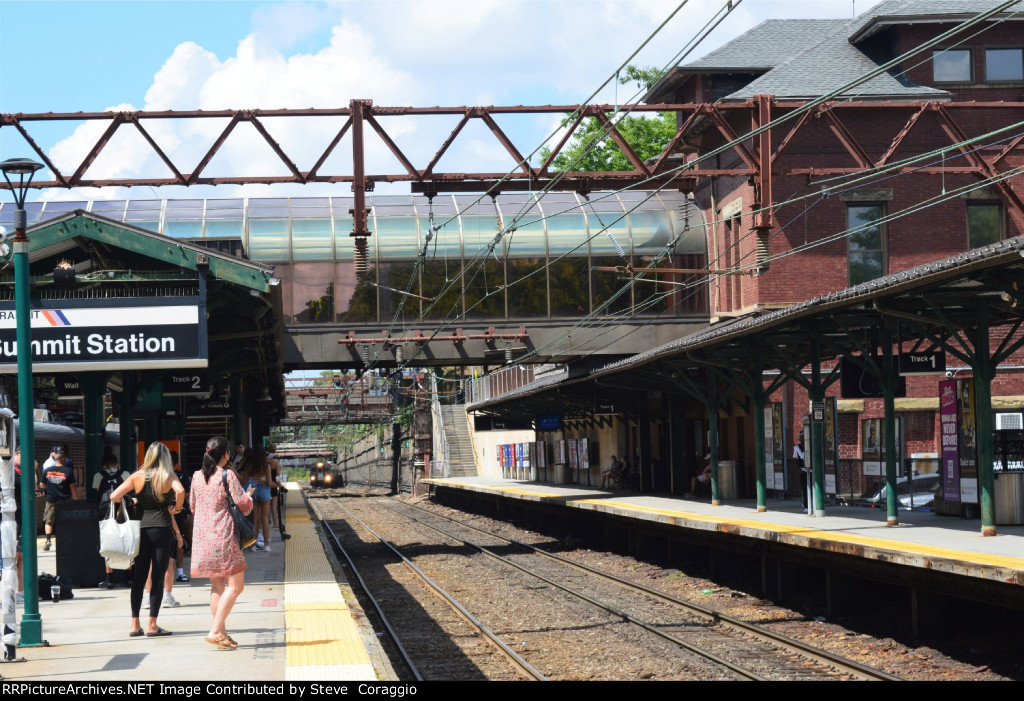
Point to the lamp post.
(22, 169)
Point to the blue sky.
(92, 56)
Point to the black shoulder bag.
(244, 528)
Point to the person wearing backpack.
(109, 478)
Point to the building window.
(952, 66)
(866, 241)
(1004, 65)
(984, 223)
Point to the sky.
(88, 55)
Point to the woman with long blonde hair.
(160, 495)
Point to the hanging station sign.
(927, 363)
(187, 384)
(123, 335)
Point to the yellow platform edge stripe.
(322, 640)
(803, 531)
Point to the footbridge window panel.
(485, 290)
(569, 264)
(526, 271)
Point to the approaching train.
(324, 474)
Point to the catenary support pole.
(889, 379)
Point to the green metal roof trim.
(255, 276)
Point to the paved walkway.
(296, 620)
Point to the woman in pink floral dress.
(215, 550)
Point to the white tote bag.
(119, 542)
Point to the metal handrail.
(441, 451)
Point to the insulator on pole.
(360, 257)
(763, 249)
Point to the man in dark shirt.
(59, 483)
(184, 519)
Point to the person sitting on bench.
(614, 472)
(703, 475)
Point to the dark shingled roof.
(766, 45)
(804, 59)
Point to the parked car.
(912, 494)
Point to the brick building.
(894, 168)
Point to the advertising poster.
(968, 442)
(831, 418)
(949, 428)
(779, 444)
(506, 450)
(563, 452)
(574, 461)
(519, 459)
(584, 454)
(769, 449)
(871, 446)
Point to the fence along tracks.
(744, 650)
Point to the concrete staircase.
(461, 459)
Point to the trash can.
(1009, 498)
(727, 488)
(77, 529)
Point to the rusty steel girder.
(703, 127)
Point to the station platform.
(296, 620)
(922, 539)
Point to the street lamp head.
(20, 168)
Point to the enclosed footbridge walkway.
(442, 286)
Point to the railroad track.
(746, 651)
(438, 639)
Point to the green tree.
(591, 149)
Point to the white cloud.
(453, 52)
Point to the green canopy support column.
(712, 406)
(129, 389)
(816, 393)
(712, 399)
(752, 383)
(94, 385)
(984, 373)
(679, 483)
(973, 346)
(889, 379)
(760, 400)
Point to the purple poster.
(950, 430)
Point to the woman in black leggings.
(160, 496)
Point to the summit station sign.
(119, 335)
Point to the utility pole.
(396, 431)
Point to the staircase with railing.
(453, 454)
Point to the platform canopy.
(933, 305)
(117, 276)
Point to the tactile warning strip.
(322, 639)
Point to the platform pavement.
(921, 539)
(294, 621)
